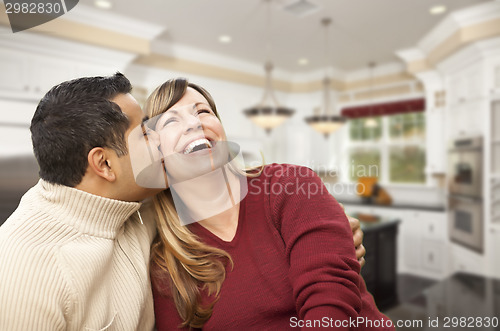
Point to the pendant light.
(268, 114)
(371, 122)
(323, 120)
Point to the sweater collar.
(88, 213)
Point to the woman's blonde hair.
(178, 256)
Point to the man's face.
(128, 189)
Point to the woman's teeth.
(197, 145)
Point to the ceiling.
(362, 30)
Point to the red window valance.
(387, 108)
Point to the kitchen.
(438, 163)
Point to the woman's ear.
(100, 164)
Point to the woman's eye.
(170, 121)
(204, 111)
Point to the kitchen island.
(379, 272)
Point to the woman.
(281, 258)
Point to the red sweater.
(294, 262)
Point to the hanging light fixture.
(371, 122)
(323, 119)
(268, 114)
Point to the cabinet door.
(48, 72)
(436, 146)
(432, 256)
(409, 243)
(466, 84)
(434, 226)
(13, 73)
(467, 118)
(494, 249)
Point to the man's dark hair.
(74, 117)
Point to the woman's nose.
(192, 123)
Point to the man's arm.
(358, 239)
(32, 289)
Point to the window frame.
(384, 145)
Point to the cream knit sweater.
(70, 260)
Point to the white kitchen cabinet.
(29, 77)
(432, 256)
(48, 72)
(14, 75)
(492, 79)
(422, 239)
(494, 250)
(424, 244)
(408, 244)
(466, 85)
(435, 141)
(462, 259)
(467, 119)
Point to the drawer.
(495, 192)
(432, 256)
(464, 260)
(434, 229)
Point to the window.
(407, 164)
(390, 147)
(407, 126)
(359, 130)
(364, 162)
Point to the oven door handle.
(465, 198)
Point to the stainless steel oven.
(465, 167)
(466, 222)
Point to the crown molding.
(183, 53)
(471, 54)
(380, 70)
(456, 21)
(411, 55)
(108, 20)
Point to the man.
(75, 253)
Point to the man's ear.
(100, 163)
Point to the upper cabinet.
(32, 64)
(30, 77)
(466, 85)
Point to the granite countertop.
(395, 206)
(375, 222)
